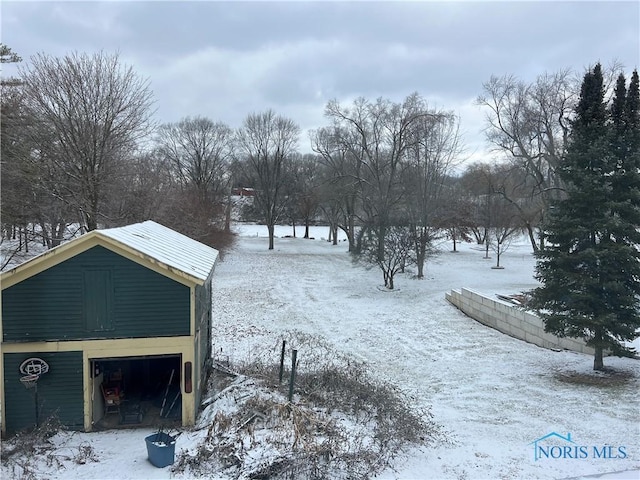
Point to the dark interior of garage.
(136, 391)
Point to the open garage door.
(136, 391)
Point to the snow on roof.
(166, 246)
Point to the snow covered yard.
(493, 395)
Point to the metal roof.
(166, 246)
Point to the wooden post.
(284, 343)
(294, 355)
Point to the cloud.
(99, 19)
(225, 60)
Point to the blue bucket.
(161, 448)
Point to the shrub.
(343, 423)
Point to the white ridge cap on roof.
(167, 246)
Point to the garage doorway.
(136, 391)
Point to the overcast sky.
(224, 60)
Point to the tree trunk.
(598, 363)
(382, 232)
(421, 251)
(46, 237)
(92, 224)
(420, 254)
(227, 215)
(90, 221)
(58, 233)
(532, 237)
(271, 230)
(94, 209)
(335, 234)
(43, 233)
(359, 236)
(23, 239)
(351, 233)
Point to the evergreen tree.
(590, 271)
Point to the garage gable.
(148, 243)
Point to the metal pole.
(284, 343)
(36, 402)
(164, 400)
(294, 355)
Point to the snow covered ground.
(492, 394)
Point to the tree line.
(80, 146)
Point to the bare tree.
(530, 123)
(398, 244)
(503, 227)
(430, 159)
(149, 191)
(28, 211)
(342, 184)
(456, 212)
(377, 135)
(309, 201)
(50, 187)
(498, 203)
(303, 190)
(32, 204)
(267, 141)
(16, 183)
(18, 204)
(94, 111)
(199, 152)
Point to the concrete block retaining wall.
(511, 320)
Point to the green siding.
(53, 304)
(59, 391)
(98, 300)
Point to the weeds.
(32, 441)
(24, 450)
(343, 423)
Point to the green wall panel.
(59, 391)
(52, 304)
